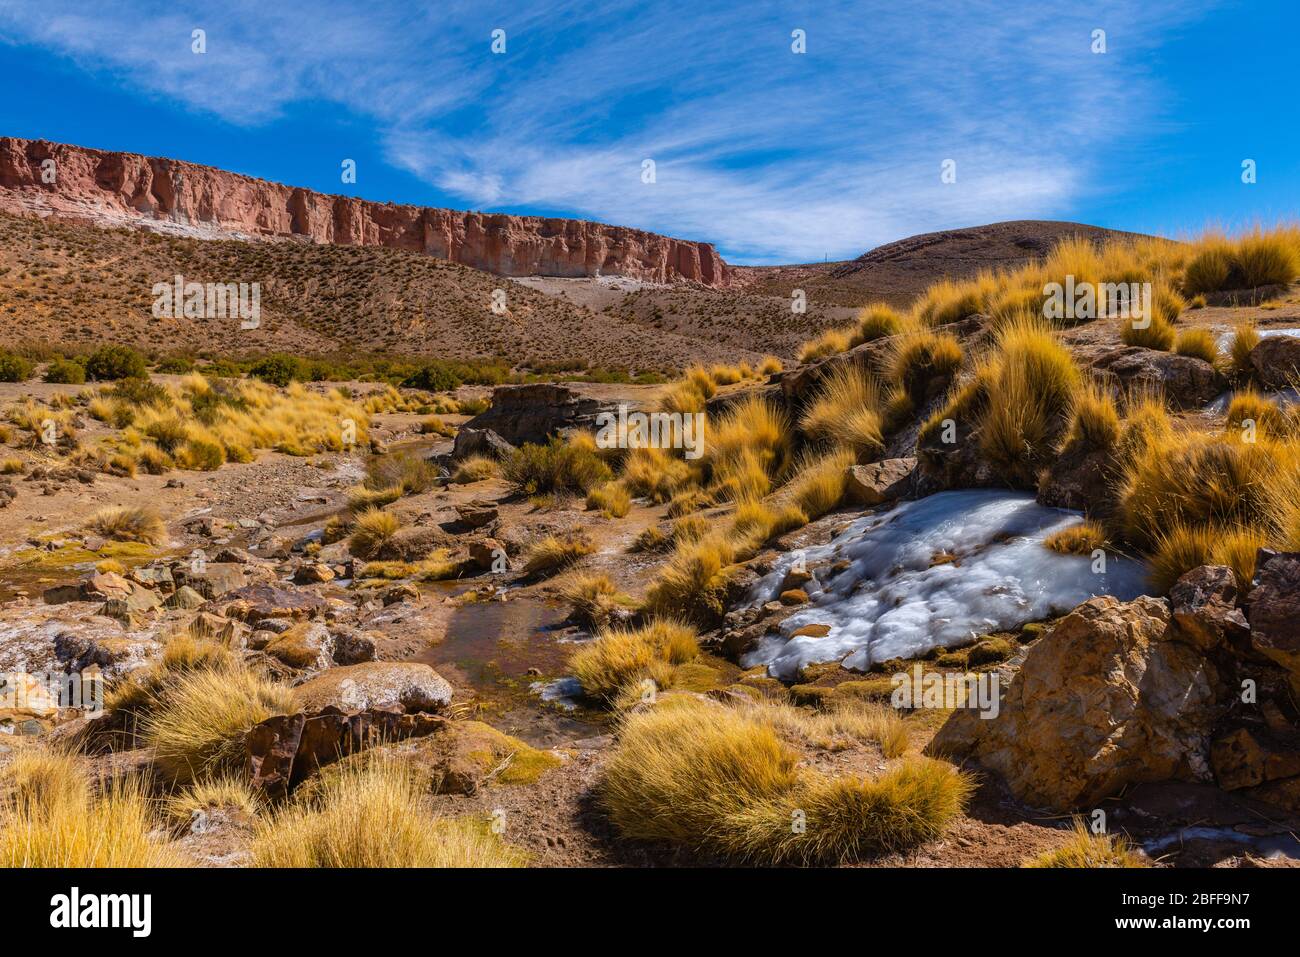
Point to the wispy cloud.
(772, 155)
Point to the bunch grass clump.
(620, 657)
(197, 727)
(368, 814)
(720, 781)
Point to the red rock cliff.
(186, 199)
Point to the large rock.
(308, 645)
(1274, 609)
(879, 482)
(482, 442)
(537, 411)
(1204, 603)
(404, 685)
(1107, 699)
(211, 579)
(253, 603)
(114, 654)
(1276, 360)
(1185, 381)
(283, 751)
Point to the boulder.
(1246, 757)
(401, 685)
(1274, 609)
(312, 573)
(307, 645)
(1204, 604)
(351, 645)
(537, 411)
(412, 544)
(1082, 480)
(484, 442)
(115, 655)
(1185, 381)
(1276, 361)
(485, 554)
(253, 603)
(211, 579)
(476, 514)
(283, 751)
(1107, 699)
(879, 482)
(185, 598)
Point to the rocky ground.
(1131, 708)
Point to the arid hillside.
(76, 286)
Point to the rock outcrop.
(171, 196)
(1112, 696)
(537, 411)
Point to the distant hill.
(899, 271)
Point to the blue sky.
(772, 155)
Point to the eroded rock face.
(1111, 696)
(121, 189)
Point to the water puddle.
(501, 649)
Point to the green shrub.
(278, 369)
(65, 372)
(115, 362)
(14, 368)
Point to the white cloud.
(772, 155)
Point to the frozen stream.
(937, 572)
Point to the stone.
(1107, 699)
(477, 513)
(283, 751)
(114, 654)
(105, 585)
(306, 646)
(534, 412)
(253, 603)
(795, 596)
(210, 579)
(484, 554)
(1185, 381)
(1276, 361)
(403, 685)
(352, 646)
(1247, 757)
(1204, 604)
(400, 593)
(313, 574)
(413, 543)
(1273, 609)
(879, 482)
(484, 442)
(184, 598)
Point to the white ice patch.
(1225, 338)
(1283, 398)
(562, 692)
(892, 602)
